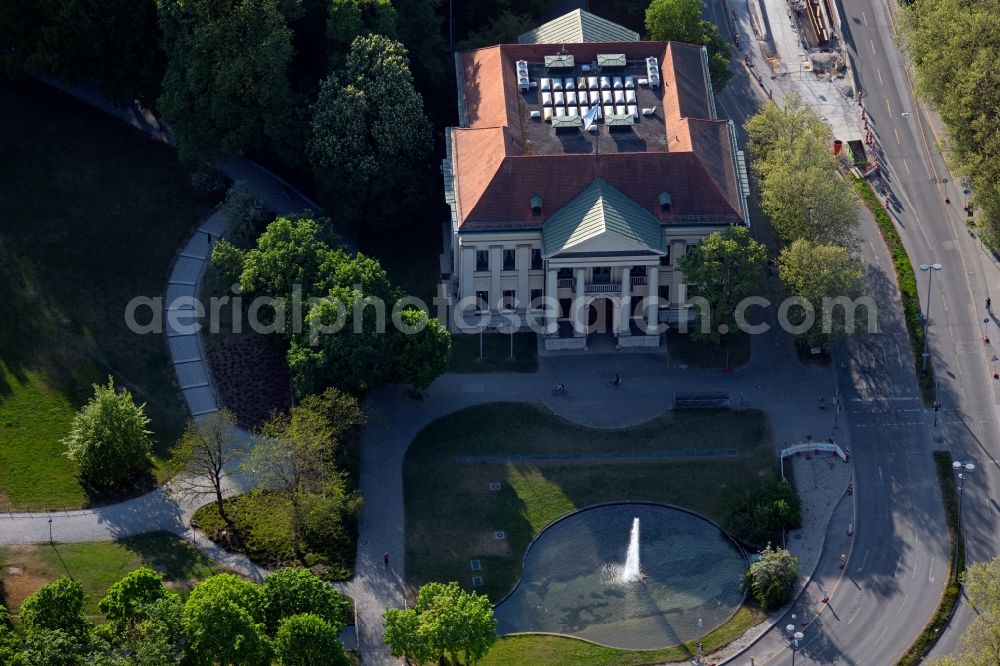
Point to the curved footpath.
(773, 382)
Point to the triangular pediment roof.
(601, 217)
(578, 27)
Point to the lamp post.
(793, 639)
(962, 469)
(929, 268)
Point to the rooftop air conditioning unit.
(523, 82)
(653, 72)
(648, 110)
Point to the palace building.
(585, 164)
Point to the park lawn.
(545, 650)
(683, 348)
(496, 353)
(91, 216)
(100, 564)
(452, 514)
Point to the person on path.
(989, 303)
(385, 559)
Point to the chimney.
(536, 205)
(665, 202)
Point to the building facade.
(578, 176)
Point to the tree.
(981, 642)
(157, 639)
(349, 19)
(244, 212)
(772, 577)
(954, 46)
(680, 21)
(55, 606)
(503, 28)
(369, 134)
(126, 601)
(208, 445)
(11, 650)
(801, 187)
(292, 592)
(55, 647)
(294, 454)
(223, 623)
(108, 440)
(423, 349)
(819, 274)
(446, 622)
(226, 87)
(307, 640)
(765, 512)
(724, 269)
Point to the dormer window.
(665, 202)
(536, 205)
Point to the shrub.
(244, 212)
(772, 578)
(209, 181)
(762, 514)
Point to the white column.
(652, 309)
(579, 314)
(625, 307)
(675, 275)
(496, 263)
(552, 301)
(523, 266)
(465, 273)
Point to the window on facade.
(664, 294)
(536, 260)
(508, 300)
(665, 259)
(482, 300)
(509, 259)
(482, 260)
(536, 298)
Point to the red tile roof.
(495, 180)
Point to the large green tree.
(369, 135)
(349, 19)
(125, 602)
(981, 642)
(11, 650)
(680, 21)
(226, 85)
(108, 440)
(446, 622)
(422, 350)
(224, 623)
(308, 640)
(772, 577)
(801, 188)
(818, 274)
(955, 45)
(55, 606)
(289, 592)
(724, 269)
(294, 454)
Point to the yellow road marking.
(896, 133)
(865, 18)
(892, 21)
(879, 72)
(887, 107)
(872, 44)
(906, 166)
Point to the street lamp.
(793, 639)
(962, 469)
(929, 268)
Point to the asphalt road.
(898, 564)
(934, 231)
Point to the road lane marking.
(887, 107)
(879, 72)
(863, 560)
(906, 166)
(865, 19)
(881, 481)
(899, 563)
(902, 604)
(930, 572)
(870, 42)
(897, 134)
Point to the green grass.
(99, 565)
(496, 353)
(90, 216)
(907, 281)
(560, 651)
(451, 513)
(694, 353)
(953, 590)
(263, 526)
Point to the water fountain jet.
(632, 572)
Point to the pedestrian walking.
(209, 238)
(989, 303)
(385, 559)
